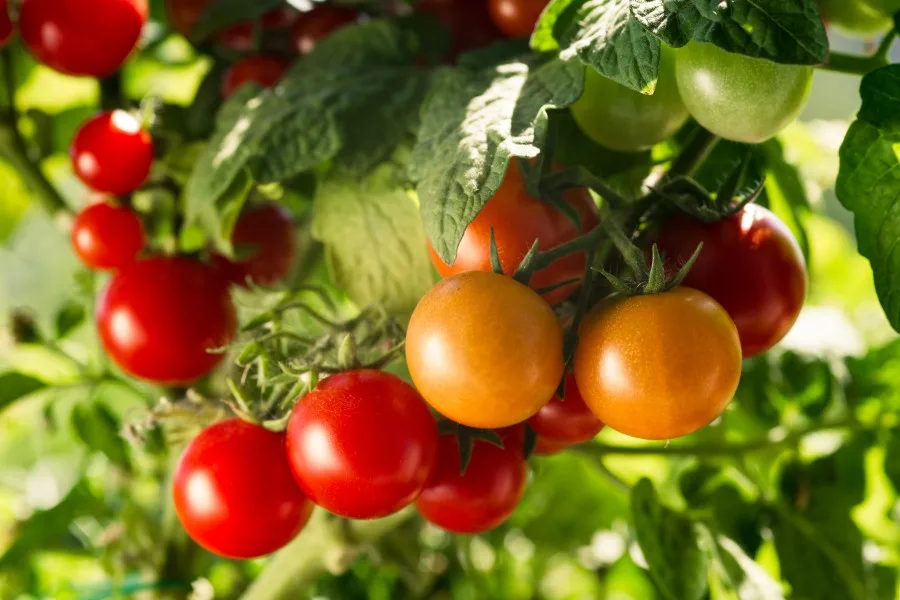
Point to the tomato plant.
(268, 231)
(565, 420)
(107, 236)
(516, 18)
(112, 153)
(315, 25)
(263, 70)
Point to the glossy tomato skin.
(516, 18)
(112, 153)
(312, 27)
(6, 25)
(468, 21)
(270, 230)
(569, 420)
(107, 236)
(234, 493)
(361, 444)
(158, 317)
(519, 219)
(263, 70)
(82, 37)
(658, 366)
(737, 97)
(482, 498)
(750, 264)
(484, 350)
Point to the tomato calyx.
(467, 436)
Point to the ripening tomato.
(107, 236)
(240, 36)
(516, 18)
(750, 264)
(567, 420)
(269, 230)
(519, 219)
(112, 153)
(483, 497)
(263, 70)
(468, 21)
(658, 366)
(484, 350)
(158, 317)
(312, 27)
(234, 493)
(548, 446)
(738, 97)
(82, 37)
(361, 444)
(6, 25)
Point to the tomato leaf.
(98, 428)
(892, 458)
(670, 545)
(16, 385)
(473, 122)
(747, 579)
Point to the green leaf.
(670, 546)
(69, 318)
(98, 428)
(16, 385)
(783, 31)
(473, 123)
(747, 579)
(892, 458)
(223, 13)
(869, 180)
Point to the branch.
(856, 65)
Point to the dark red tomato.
(264, 70)
(750, 264)
(111, 153)
(184, 14)
(468, 21)
(362, 444)
(516, 18)
(314, 26)
(569, 421)
(240, 36)
(107, 236)
(82, 37)
(548, 447)
(234, 493)
(483, 497)
(6, 24)
(268, 229)
(517, 220)
(159, 316)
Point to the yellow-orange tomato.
(658, 366)
(484, 350)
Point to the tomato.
(158, 317)
(482, 498)
(468, 21)
(484, 350)
(737, 97)
(658, 366)
(6, 25)
(622, 119)
(107, 236)
(82, 37)
(264, 70)
(863, 17)
(268, 229)
(750, 264)
(516, 18)
(548, 446)
(112, 153)
(567, 420)
(240, 36)
(234, 493)
(185, 14)
(519, 219)
(362, 444)
(314, 26)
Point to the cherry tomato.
(82, 37)
(484, 350)
(111, 153)
(548, 446)
(516, 18)
(269, 230)
(567, 420)
(234, 493)
(107, 236)
(362, 444)
(738, 97)
(185, 14)
(159, 316)
(240, 36)
(750, 264)
(519, 219)
(468, 21)
(658, 366)
(483, 497)
(264, 70)
(314, 26)
(862, 17)
(6, 25)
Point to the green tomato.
(620, 118)
(863, 17)
(737, 97)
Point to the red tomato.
(362, 444)
(234, 493)
(569, 421)
(264, 70)
(314, 26)
(468, 22)
(548, 447)
(516, 18)
(82, 37)
(107, 236)
(484, 496)
(111, 153)
(269, 229)
(750, 264)
(159, 316)
(517, 220)
(6, 25)
(184, 14)
(240, 36)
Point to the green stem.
(885, 46)
(857, 65)
(694, 153)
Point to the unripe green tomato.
(862, 17)
(620, 118)
(737, 97)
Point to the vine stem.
(859, 65)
